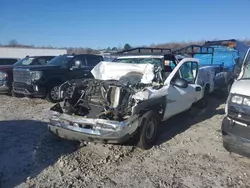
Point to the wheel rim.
(150, 130)
(54, 93)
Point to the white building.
(14, 52)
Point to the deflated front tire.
(149, 125)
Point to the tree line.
(79, 50)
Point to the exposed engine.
(109, 99)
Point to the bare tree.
(13, 43)
(127, 46)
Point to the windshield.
(154, 61)
(24, 62)
(60, 60)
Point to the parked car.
(228, 57)
(236, 125)
(8, 61)
(6, 71)
(128, 98)
(44, 81)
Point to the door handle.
(197, 88)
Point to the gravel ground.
(189, 153)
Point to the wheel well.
(155, 105)
(53, 81)
(207, 86)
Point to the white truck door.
(181, 96)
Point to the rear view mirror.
(180, 83)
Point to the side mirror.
(77, 64)
(180, 83)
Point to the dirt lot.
(189, 154)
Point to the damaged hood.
(113, 71)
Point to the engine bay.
(115, 96)
(103, 99)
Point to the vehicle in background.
(229, 55)
(215, 76)
(236, 125)
(207, 73)
(128, 98)
(6, 71)
(44, 81)
(8, 61)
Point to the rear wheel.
(53, 94)
(149, 124)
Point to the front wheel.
(53, 94)
(149, 124)
(17, 95)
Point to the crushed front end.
(97, 110)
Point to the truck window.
(40, 61)
(24, 62)
(93, 60)
(82, 59)
(188, 71)
(60, 60)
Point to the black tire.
(226, 146)
(17, 95)
(51, 95)
(149, 125)
(206, 92)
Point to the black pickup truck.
(44, 81)
(7, 65)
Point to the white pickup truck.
(127, 99)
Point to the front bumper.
(92, 130)
(236, 137)
(4, 88)
(29, 89)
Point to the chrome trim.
(100, 127)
